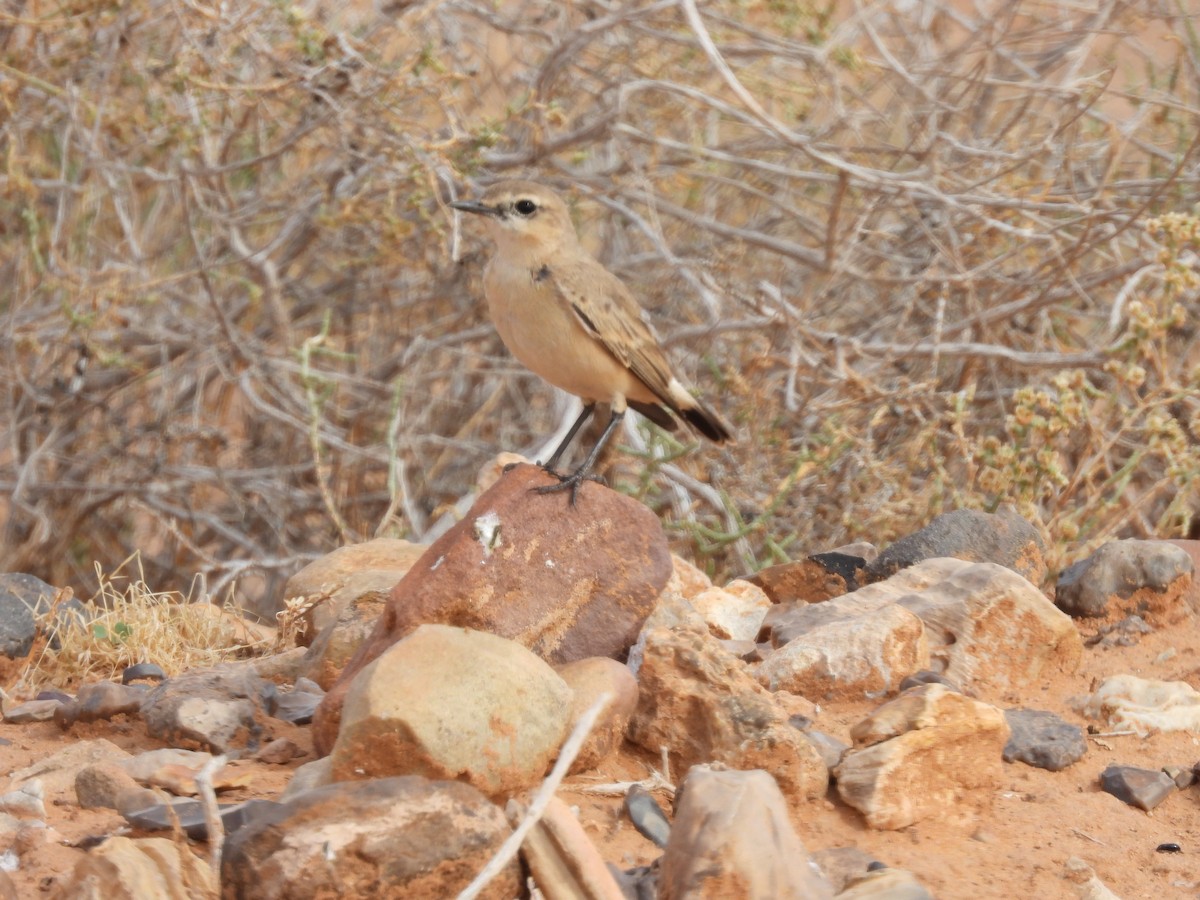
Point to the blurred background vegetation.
(924, 255)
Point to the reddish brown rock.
(566, 582)
(820, 577)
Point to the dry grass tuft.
(134, 624)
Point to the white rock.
(856, 645)
(1144, 705)
(734, 612)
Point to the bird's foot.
(570, 483)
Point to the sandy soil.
(1013, 842)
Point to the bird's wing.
(610, 314)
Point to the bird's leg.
(575, 479)
(566, 442)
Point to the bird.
(565, 317)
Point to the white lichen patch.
(487, 532)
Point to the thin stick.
(537, 806)
(207, 796)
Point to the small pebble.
(142, 672)
(26, 801)
(1143, 788)
(647, 816)
(927, 676)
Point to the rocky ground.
(854, 724)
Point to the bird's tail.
(707, 423)
(696, 414)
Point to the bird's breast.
(546, 337)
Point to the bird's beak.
(474, 206)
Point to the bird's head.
(523, 214)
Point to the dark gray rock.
(221, 710)
(928, 676)
(1143, 788)
(23, 598)
(297, 706)
(1043, 739)
(190, 815)
(31, 711)
(142, 672)
(647, 816)
(1002, 538)
(1125, 633)
(388, 837)
(101, 700)
(1153, 574)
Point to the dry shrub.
(908, 248)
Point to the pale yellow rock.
(734, 612)
(491, 471)
(868, 646)
(588, 679)
(686, 579)
(564, 862)
(127, 869)
(326, 585)
(922, 754)
(989, 628)
(454, 704)
(1087, 885)
(700, 702)
(732, 838)
(885, 884)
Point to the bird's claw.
(570, 483)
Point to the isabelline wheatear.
(574, 323)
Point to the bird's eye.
(525, 207)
